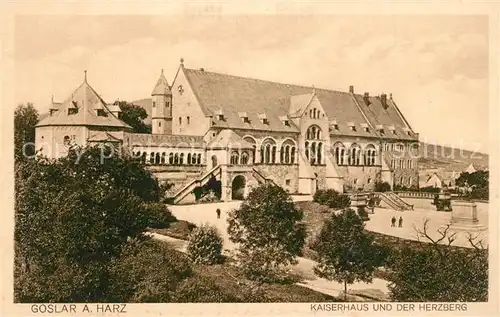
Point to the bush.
(202, 289)
(382, 187)
(205, 245)
(332, 199)
(363, 214)
(160, 216)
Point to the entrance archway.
(214, 161)
(238, 188)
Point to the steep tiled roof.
(388, 118)
(87, 102)
(162, 87)
(167, 140)
(228, 139)
(298, 104)
(235, 94)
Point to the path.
(380, 222)
(205, 214)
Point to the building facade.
(243, 132)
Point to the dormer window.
(180, 89)
(101, 113)
(285, 120)
(263, 118)
(244, 117)
(351, 126)
(334, 125)
(72, 111)
(365, 127)
(220, 115)
(154, 104)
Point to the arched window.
(143, 157)
(314, 133)
(188, 158)
(152, 158)
(171, 158)
(287, 156)
(163, 156)
(410, 181)
(307, 150)
(313, 153)
(339, 150)
(66, 140)
(244, 158)
(235, 157)
(252, 141)
(198, 159)
(320, 153)
(157, 158)
(176, 159)
(268, 151)
(193, 159)
(181, 159)
(370, 154)
(354, 154)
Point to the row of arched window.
(314, 133)
(315, 114)
(402, 164)
(157, 158)
(269, 148)
(314, 152)
(354, 155)
(242, 159)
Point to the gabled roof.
(162, 87)
(228, 139)
(86, 102)
(235, 94)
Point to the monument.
(464, 217)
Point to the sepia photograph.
(339, 161)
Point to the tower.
(161, 108)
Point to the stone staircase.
(393, 201)
(261, 178)
(200, 181)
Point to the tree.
(25, 119)
(438, 271)
(346, 252)
(74, 216)
(382, 187)
(134, 116)
(268, 230)
(205, 245)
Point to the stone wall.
(185, 105)
(285, 176)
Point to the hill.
(432, 156)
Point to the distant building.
(433, 180)
(246, 131)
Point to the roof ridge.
(267, 81)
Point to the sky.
(435, 66)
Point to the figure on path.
(400, 222)
(393, 221)
(218, 213)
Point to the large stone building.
(244, 131)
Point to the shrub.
(160, 216)
(382, 187)
(363, 214)
(332, 199)
(205, 245)
(202, 289)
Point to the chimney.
(366, 98)
(351, 89)
(383, 100)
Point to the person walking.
(218, 213)
(393, 221)
(400, 222)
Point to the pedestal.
(464, 217)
